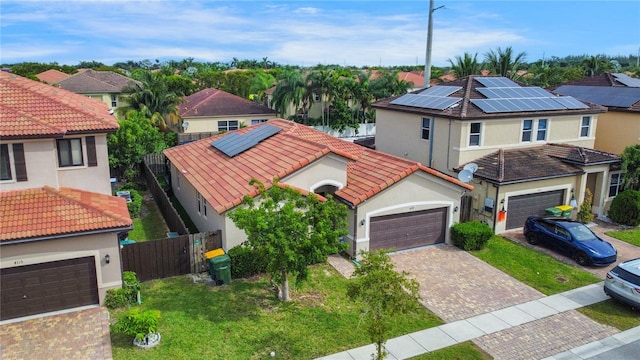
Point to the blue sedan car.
(570, 238)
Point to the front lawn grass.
(613, 313)
(245, 320)
(632, 236)
(150, 225)
(463, 351)
(538, 270)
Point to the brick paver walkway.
(78, 335)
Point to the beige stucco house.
(212, 110)
(619, 127)
(105, 86)
(59, 223)
(393, 203)
(493, 122)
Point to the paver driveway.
(82, 334)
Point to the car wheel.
(582, 259)
(532, 238)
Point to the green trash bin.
(222, 268)
(553, 211)
(566, 210)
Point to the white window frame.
(586, 127)
(74, 161)
(527, 130)
(534, 129)
(617, 185)
(426, 129)
(225, 125)
(473, 134)
(198, 200)
(204, 201)
(114, 101)
(545, 130)
(258, 121)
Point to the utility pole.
(427, 65)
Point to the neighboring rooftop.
(215, 102)
(52, 76)
(616, 91)
(224, 180)
(476, 97)
(538, 162)
(92, 82)
(33, 109)
(45, 212)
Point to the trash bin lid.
(564, 207)
(213, 253)
(220, 260)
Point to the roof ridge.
(88, 206)
(466, 99)
(500, 164)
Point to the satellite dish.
(465, 176)
(110, 111)
(473, 167)
(185, 124)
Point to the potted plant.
(143, 324)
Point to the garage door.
(39, 288)
(523, 206)
(408, 230)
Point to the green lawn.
(613, 313)
(245, 320)
(149, 226)
(632, 236)
(463, 351)
(538, 270)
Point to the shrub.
(471, 235)
(126, 295)
(135, 206)
(246, 262)
(625, 208)
(584, 214)
(137, 322)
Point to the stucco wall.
(617, 130)
(96, 245)
(210, 124)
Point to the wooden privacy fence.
(169, 212)
(162, 258)
(182, 137)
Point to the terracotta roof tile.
(43, 212)
(51, 76)
(215, 102)
(223, 181)
(30, 109)
(538, 162)
(91, 81)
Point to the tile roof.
(42, 212)
(467, 110)
(223, 181)
(91, 81)
(538, 162)
(51, 76)
(32, 109)
(215, 102)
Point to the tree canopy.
(290, 230)
(631, 167)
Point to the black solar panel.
(425, 101)
(623, 97)
(627, 80)
(534, 104)
(496, 82)
(233, 144)
(440, 90)
(514, 92)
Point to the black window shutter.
(92, 159)
(20, 163)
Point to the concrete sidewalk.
(442, 336)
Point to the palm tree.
(466, 65)
(291, 89)
(361, 93)
(261, 82)
(320, 83)
(595, 65)
(153, 99)
(504, 63)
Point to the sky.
(307, 33)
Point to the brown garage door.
(523, 206)
(39, 288)
(408, 230)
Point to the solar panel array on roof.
(514, 92)
(534, 104)
(613, 96)
(425, 101)
(234, 143)
(440, 90)
(627, 80)
(496, 82)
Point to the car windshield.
(581, 232)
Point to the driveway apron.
(82, 334)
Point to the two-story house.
(619, 127)
(527, 150)
(393, 203)
(59, 223)
(105, 86)
(212, 110)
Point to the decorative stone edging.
(149, 341)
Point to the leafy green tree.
(292, 231)
(594, 65)
(135, 138)
(290, 90)
(631, 167)
(383, 293)
(505, 62)
(465, 65)
(261, 82)
(320, 83)
(153, 98)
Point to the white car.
(623, 282)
